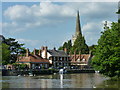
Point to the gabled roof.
(59, 53)
(32, 59)
(83, 58)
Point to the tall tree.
(107, 54)
(67, 45)
(80, 45)
(15, 48)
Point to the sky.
(50, 24)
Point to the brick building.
(80, 60)
(33, 60)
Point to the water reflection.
(61, 80)
(58, 81)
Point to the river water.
(83, 80)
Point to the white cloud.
(92, 31)
(22, 17)
(26, 17)
(28, 42)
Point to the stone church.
(78, 28)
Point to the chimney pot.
(34, 51)
(42, 48)
(27, 52)
(54, 48)
(39, 52)
(45, 48)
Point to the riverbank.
(6, 72)
(78, 81)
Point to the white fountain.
(61, 71)
(61, 77)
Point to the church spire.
(78, 27)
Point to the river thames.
(82, 80)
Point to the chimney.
(74, 55)
(54, 48)
(27, 52)
(42, 48)
(34, 51)
(39, 53)
(45, 48)
(80, 55)
(65, 50)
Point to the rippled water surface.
(88, 80)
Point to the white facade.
(43, 54)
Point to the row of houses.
(54, 58)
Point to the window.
(54, 58)
(83, 60)
(78, 60)
(60, 58)
(45, 65)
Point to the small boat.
(30, 74)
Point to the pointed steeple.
(78, 27)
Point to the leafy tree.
(92, 49)
(20, 66)
(23, 66)
(5, 52)
(67, 45)
(107, 54)
(15, 48)
(80, 45)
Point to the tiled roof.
(81, 57)
(33, 59)
(57, 53)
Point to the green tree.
(92, 48)
(15, 48)
(5, 52)
(80, 45)
(107, 54)
(67, 45)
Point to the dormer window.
(83, 60)
(78, 60)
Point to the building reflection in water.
(81, 80)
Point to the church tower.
(78, 29)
